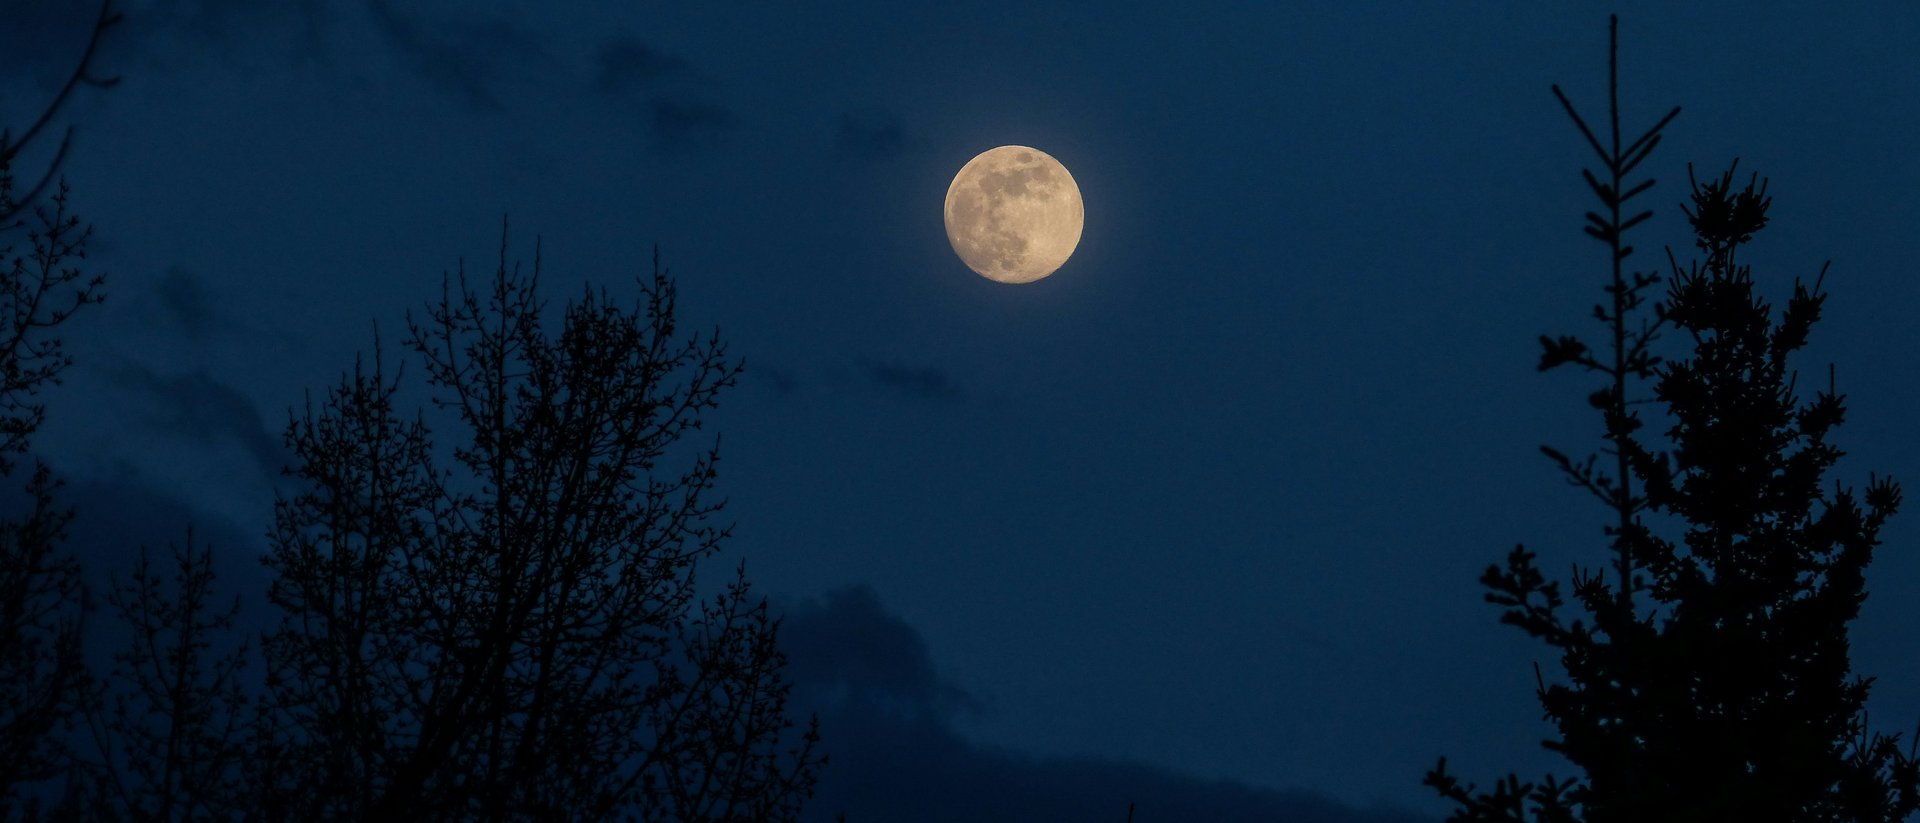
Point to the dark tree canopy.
(515, 632)
(1727, 692)
(173, 725)
(44, 684)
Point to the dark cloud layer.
(849, 653)
(624, 63)
(473, 59)
(780, 380)
(187, 303)
(675, 117)
(872, 135)
(678, 122)
(197, 407)
(227, 25)
(114, 517)
(924, 382)
(886, 715)
(41, 40)
(467, 58)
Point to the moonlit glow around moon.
(1014, 214)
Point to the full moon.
(1014, 214)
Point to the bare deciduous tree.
(175, 740)
(10, 146)
(43, 679)
(515, 632)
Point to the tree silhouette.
(515, 632)
(1732, 696)
(12, 203)
(43, 679)
(174, 738)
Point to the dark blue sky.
(1209, 501)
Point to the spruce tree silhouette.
(515, 633)
(1731, 697)
(44, 683)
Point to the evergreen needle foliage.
(1730, 695)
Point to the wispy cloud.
(870, 135)
(680, 123)
(625, 64)
(468, 58)
(199, 408)
(676, 115)
(114, 516)
(186, 302)
(848, 651)
(924, 382)
(228, 25)
(780, 380)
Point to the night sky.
(1194, 522)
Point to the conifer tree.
(1727, 694)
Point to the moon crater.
(1014, 214)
